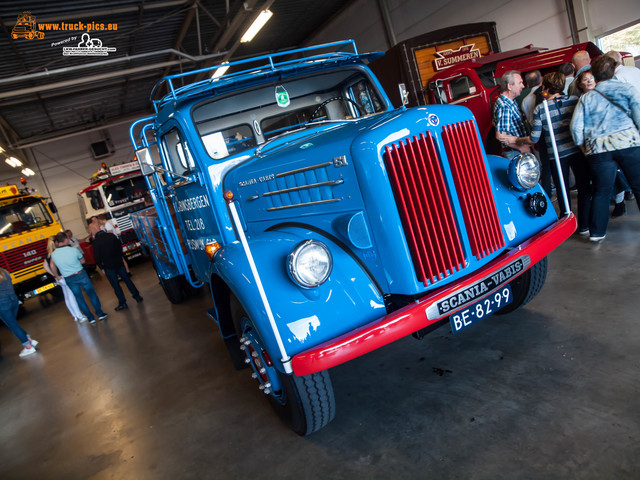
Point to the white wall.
(67, 165)
(543, 23)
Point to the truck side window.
(177, 152)
(366, 97)
(95, 199)
(228, 141)
(461, 87)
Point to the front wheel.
(305, 404)
(526, 286)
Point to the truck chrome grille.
(425, 208)
(301, 187)
(472, 184)
(24, 260)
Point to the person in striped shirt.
(561, 109)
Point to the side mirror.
(145, 161)
(52, 207)
(404, 93)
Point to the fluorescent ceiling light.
(2, 150)
(27, 172)
(221, 70)
(257, 24)
(14, 162)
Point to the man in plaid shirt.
(507, 117)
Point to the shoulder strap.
(612, 102)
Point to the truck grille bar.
(425, 208)
(473, 187)
(25, 259)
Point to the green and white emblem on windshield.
(282, 96)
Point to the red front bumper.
(412, 318)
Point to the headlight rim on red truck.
(520, 170)
(295, 268)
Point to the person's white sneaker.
(34, 343)
(81, 319)
(28, 350)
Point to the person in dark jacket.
(107, 252)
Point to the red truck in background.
(462, 65)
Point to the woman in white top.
(69, 297)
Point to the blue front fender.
(517, 223)
(304, 317)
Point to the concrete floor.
(551, 391)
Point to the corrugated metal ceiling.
(45, 94)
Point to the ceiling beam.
(105, 12)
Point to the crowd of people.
(65, 262)
(595, 118)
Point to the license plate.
(49, 286)
(482, 308)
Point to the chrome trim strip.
(299, 170)
(303, 204)
(329, 183)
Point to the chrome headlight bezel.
(305, 275)
(524, 171)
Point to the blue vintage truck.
(325, 222)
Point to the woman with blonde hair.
(69, 297)
(8, 312)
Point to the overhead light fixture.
(2, 150)
(257, 24)
(221, 70)
(14, 162)
(27, 172)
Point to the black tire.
(174, 289)
(526, 286)
(305, 404)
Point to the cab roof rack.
(274, 62)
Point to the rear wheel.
(305, 404)
(526, 286)
(174, 289)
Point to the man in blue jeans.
(107, 251)
(68, 262)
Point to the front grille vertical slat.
(394, 162)
(493, 223)
(465, 183)
(446, 222)
(474, 189)
(423, 217)
(434, 201)
(425, 208)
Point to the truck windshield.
(240, 121)
(125, 191)
(23, 215)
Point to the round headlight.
(524, 171)
(310, 264)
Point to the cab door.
(188, 194)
